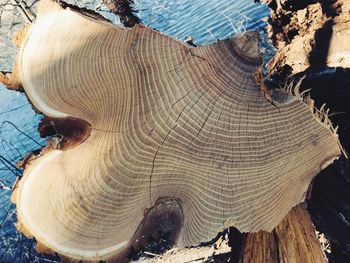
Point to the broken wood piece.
(308, 35)
(125, 11)
(11, 80)
(191, 255)
(293, 240)
(168, 121)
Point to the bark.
(293, 240)
(312, 41)
(308, 35)
(125, 11)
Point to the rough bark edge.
(321, 114)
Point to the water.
(204, 20)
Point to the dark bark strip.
(125, 11)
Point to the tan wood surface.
(166, 120)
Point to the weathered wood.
(293, 240)
(308, 35)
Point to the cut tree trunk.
(163, 126)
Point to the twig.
(6, 216)
(27, 13)
(151, 254)
(3, 186)
(22, 132)
(6, 162)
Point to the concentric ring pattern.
(168, 120)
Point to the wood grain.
(293, 240)
(167, 120)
